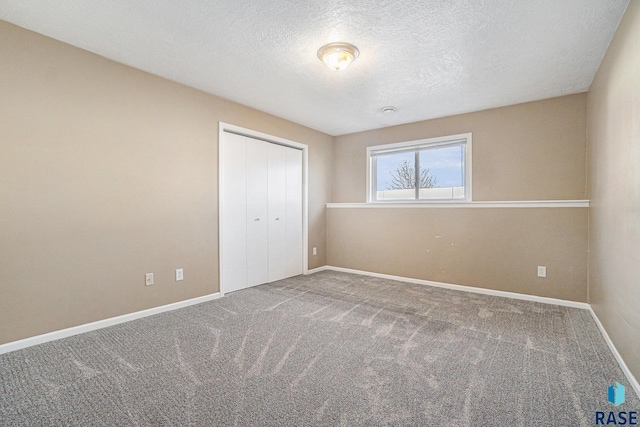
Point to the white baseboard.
(505, 294)
(317, 270)
(616, 354)
(514, 295)
(63, 333)
(51, 336)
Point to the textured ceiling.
(428, 58)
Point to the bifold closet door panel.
(257, 173)
(234, 213)
(294, 213)
(261, 208)
(277, 212)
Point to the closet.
(261, 212)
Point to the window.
(441, 167)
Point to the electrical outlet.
(315, 250)
(148, 279)
(542, 271)
(179, 275)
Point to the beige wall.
(614, 185)
(493, 248)
(532, 151)
(108, 173)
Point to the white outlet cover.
(542, 271)
(179, 274)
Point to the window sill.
(488, 204)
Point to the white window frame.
(464, 138)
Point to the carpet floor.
(325, 349)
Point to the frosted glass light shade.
(338, 56)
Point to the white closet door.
(234, 212)
(294, 212)
(261, 212)
(277, 212)
(257, 174)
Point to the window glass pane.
(395, 176)
(442, 170)
(442, 173)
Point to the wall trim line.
(489, 204)
(627, 372)
(493, 292)
(99, 324)
(317, 270)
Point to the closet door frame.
(225, 128)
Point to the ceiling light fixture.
(389, 109)
(338, 56)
